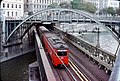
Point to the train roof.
(54, 40)
(43, 29)
(57, 42)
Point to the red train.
(55, 47)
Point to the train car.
(56, 48)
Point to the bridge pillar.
(6, 52)
(41, 68)
(119, 31)
(34, 72)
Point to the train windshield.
(62, 53)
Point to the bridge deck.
(45, 68)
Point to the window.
(8, 13)
(62, 53)
(3, 5)
(19, 6)
(26, 6)
(16, 13)
(37, 6)
(34, 6)
(16, 6)
(12, 6)
(7, 5)
(12, 13)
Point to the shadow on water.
(17, 68)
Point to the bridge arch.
(51, 15)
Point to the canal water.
(106, 40)
(17, 69)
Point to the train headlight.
(62, 57)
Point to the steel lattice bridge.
(54, 15)
(58, 15)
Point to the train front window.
(62, 53)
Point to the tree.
(118, 11)
(110, 10)
(89, 7)
(76, 4)
(53, 5)
(65, 5)
(80, 5)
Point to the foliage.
(118, 11)
(65, 5)
(110, 10)
(89, 7)
(53, 5)
(76, 4)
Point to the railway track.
(69, 73)
(85, 66)
(78, 72)
(64, 75)
(77, 75)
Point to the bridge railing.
(69, 16)
(65, 17)
(104, 58)
(113, 18)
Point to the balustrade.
(104, 58)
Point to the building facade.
(114, 4)
(32, 6)
(101, 4)
(12, 9)
(18, 9)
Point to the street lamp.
(98, 34)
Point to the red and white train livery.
(56, 48)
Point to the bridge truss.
(52, 15)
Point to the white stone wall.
(12, 9)
(114, 4)
(17, 9)
(100, 4)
